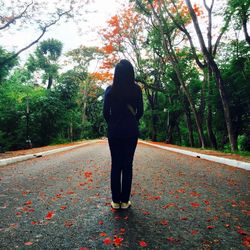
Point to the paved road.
(61, 201)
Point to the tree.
(46, 58)
(208, 55)
(81, 58)
(239, 11)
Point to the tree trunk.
(188, 121)
(211, 135)
(171, 126)
(50, 81)
(244, 24)
(152, 99)
(218, 78)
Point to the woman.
(123, 107)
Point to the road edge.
(230, 162)
(7, 161)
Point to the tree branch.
(44, 29)
(184, 30)
(16, 18)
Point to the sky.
(99, 12)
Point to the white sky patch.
(99, 11)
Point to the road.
(62, 201)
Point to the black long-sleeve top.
(121, 121)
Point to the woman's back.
(123, 120)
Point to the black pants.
(122, 155)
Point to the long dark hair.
(124, 87)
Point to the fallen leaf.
(69, 223)
(171, 239)
(100, 222)
(206, 202)
(152, 198)
(103, 234)
(117, 241)
(164, 222)
(195, 194)
(83, 248)
(194, 232)
(107, 241)
(194, 204)
(142, 243)
(246, 241)
(169, 205)
(63, 207)
(50, 215)
(210, 227)
(242, 232)
(28, 203)
(29, 243)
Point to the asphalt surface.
(62, 201)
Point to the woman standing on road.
(123, 107)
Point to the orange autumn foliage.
(102, 76)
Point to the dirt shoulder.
(10, 154)
(207, 152)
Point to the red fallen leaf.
(227, 225)
(146, 213)
(83, 248)
(34, 222)
(246, 211)
(152, 198)
(68, 223)
(242, 232)
(117, 241)
(210, 227)
(122, 230)
(63, 207)
(194, 232)
(164, 222)
(87, 174)
(206, 202)
(243, 204)
(181, 190)
(184, 218)
(195, 194)
(246, 241)
(100, 222)
(171, 239)
(28, 203)
(142, 243)
(50, 215)
(107, 241)
(169, 205)
(70, 192)
(18, 213)
(29, 243)
(194, 204)
(59, 195)
(103, 234)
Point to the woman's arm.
(139, 108)
(106, 105)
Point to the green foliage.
(4, 69)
